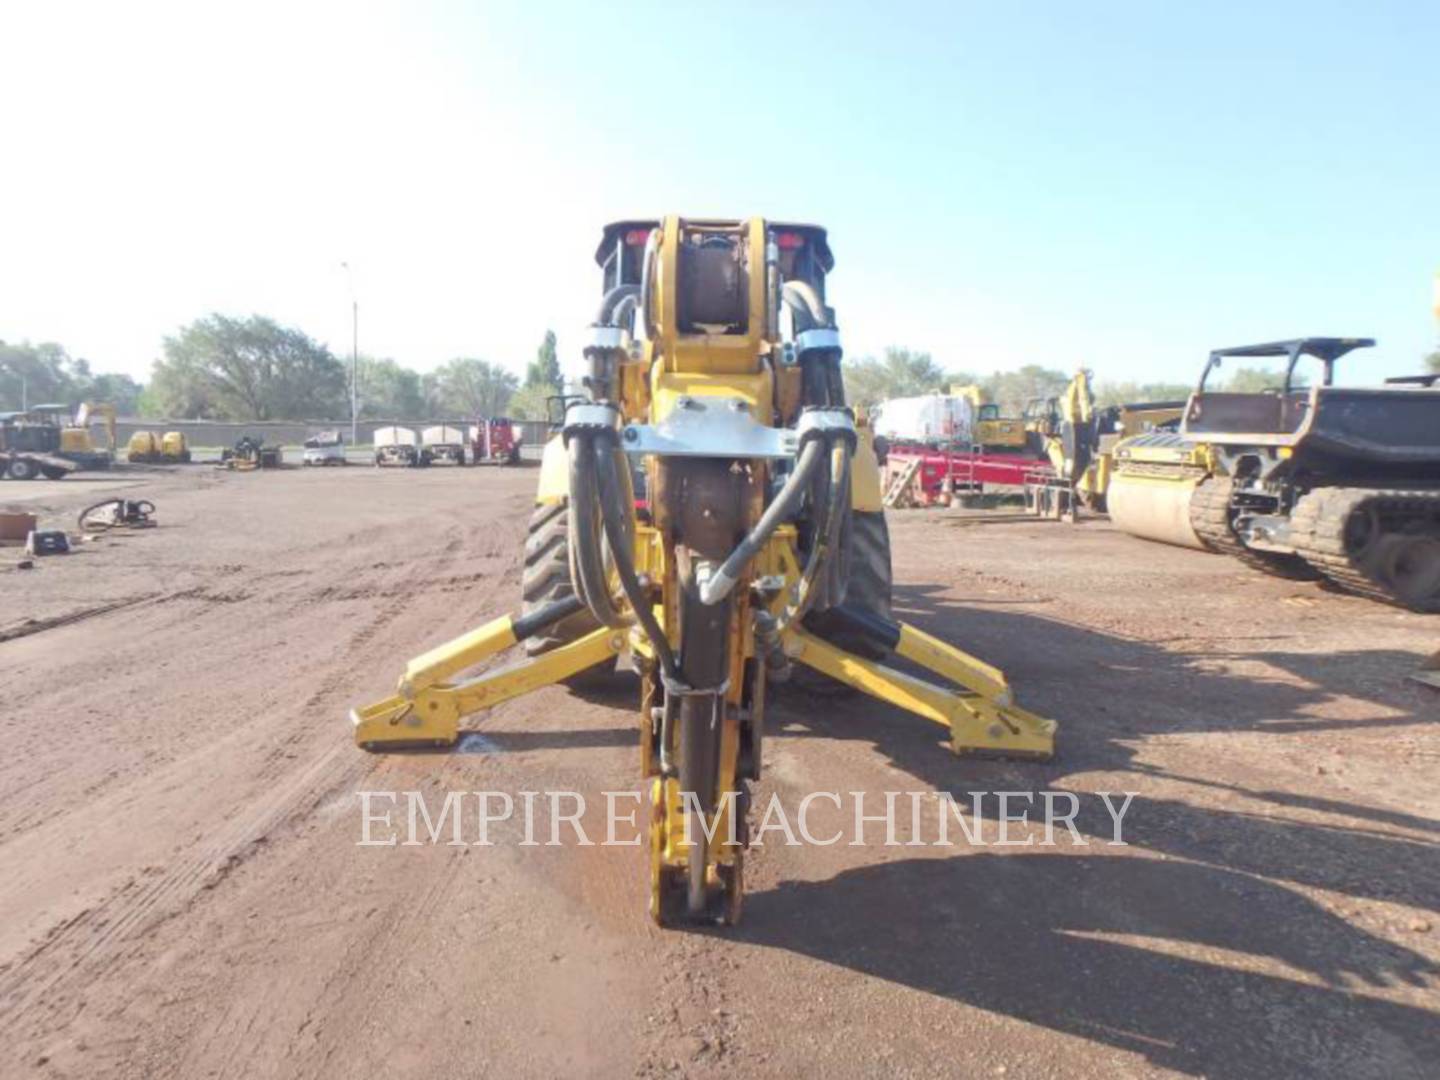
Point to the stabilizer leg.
(427, 709)
(982, 718)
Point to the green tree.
(390, 390)
(1133, 393)
(470, 387)
(528, 403)
(119, 390)
(38, 374)
(1249, 380)
(1433, 361)
(1013, 390)
(247, 369)
(544, 370)
(900, 373)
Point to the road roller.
(1302, 481)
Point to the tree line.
(903, 372)
(225, 368)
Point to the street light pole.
(354, 356)
(354, 367)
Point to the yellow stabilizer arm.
(427, 709)
(982, 718)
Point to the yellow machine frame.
(665, 371)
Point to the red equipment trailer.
(932, 476)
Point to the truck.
(324, 448)
(30, 448)
(494, 441)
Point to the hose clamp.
(823, 337)
(676, 688)
(827, 423)
(590, 418)
(603, 339)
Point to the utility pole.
(354, 356)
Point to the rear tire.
(546, 579)
(868, 591)
(22, 469)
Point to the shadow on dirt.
(1109, 693)
(1024, 936)
(1016, 933)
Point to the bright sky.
(1123, 185)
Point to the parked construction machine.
(30, 448)
(250, 453)
(76, 442)
(1305, 482)
(155, 448)
(715, 361)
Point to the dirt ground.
(184, 895)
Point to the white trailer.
(396, 446)
(442, 444)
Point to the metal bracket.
(720, 427)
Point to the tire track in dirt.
(110, 934)
(107, 935)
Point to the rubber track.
(1210, 518)
(1317, 529)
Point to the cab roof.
(814, 233)
(1322, 348)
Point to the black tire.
(546, 578)
(22, 469)
(868, 591)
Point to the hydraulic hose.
(800, 294)
(615, 500)
(827, 536)
(612, 299)
(626, 305)
(719, 584)
(587, 557)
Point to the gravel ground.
(184, 894)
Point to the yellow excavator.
(76, 442)
(712, 507)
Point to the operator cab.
(1274, 409)
(804, 251)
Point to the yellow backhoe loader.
(758, 543)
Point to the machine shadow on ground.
(1019, 933)
(1024, 935)
(1109, 694)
